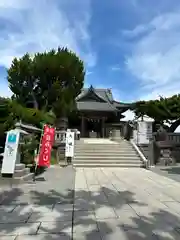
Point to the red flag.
(46, 146)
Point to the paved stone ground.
(109, 204)
(172, 172)
(125, 204)
(41, 210)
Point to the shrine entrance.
(93, 127)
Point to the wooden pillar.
(82, 126)
(103, 127)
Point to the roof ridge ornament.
(91, 89)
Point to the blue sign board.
(12, 138)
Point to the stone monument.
(12, 166)
(165, 147)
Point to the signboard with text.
(10, 152)
(69, 152)
(144, 132)
(44, 157)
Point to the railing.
(173, 137)
(158, 150)
(60, 137)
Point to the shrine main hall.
(97, 112)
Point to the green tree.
(27, 148)
(11, 112)
(3, 118)
(47, 81)
(164, 110)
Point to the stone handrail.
(141, 155)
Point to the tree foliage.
(11, 112)
(47, 81)
(164, 110)
(27, 147)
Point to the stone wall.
(153, 153)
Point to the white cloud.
(46, 24)
(134, 32)
(155, 59)
(88, 73)
(116, 68)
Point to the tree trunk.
(35, 103)
(62, 123)
(174, 125)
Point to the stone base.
(166, 161)
(21, 174)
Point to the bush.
(27, 148)
(53, 157)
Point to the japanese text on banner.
(46, 146)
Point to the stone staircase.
(105, 153)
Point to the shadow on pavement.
(50, 208)
(172, 172)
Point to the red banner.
(46, 146)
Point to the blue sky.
(130, 46)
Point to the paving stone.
(7, 209)
(107, 226)
(85, 225)
(34, 208)
(19, 228)
(83, 205)
(87, 236)
(128, 235)
(84, 195)
(173, 205)
(167, 235)
(103, 212)
(51, 217)
(8, 237)
(63, 207)
(43, 237)
(55, 227)
(127, 218)
(80, 215)
(14, 217)
(146, 211)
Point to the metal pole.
(36, 163)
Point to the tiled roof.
(107, 104)
(105, 94)
(96, 106)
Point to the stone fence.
(162, 153)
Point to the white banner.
(10, 152)
(69, 144)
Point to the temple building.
(98, 112)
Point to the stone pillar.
(116, 134)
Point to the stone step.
(103, 144)
(114, 161)
(21, 173)
(18, 180)
(109, 165)
(108, 153)
(104, 148)
(96, 158)
(19, 166)
(27, 177)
